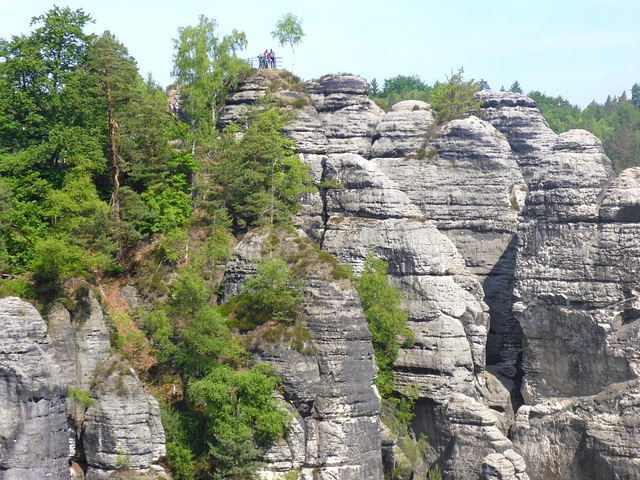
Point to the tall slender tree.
(207, 69)
(116, 74)
(289, 31)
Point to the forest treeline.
(616, 122)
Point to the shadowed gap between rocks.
(504, 341)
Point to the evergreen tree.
(516, 88)
(455, 98)
(116, 75)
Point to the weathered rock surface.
(335, 432)
(529, 217)
(33, 421)
(468, 183)
(518, 118)
(122, 427)
(368, 212)
(576, 299)
(589, 437)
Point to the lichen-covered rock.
(33, 423)
(122, 427)
(330, 385)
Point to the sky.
(583, 50)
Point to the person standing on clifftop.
(272, 58)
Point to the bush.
(273, 294)
(53, 261)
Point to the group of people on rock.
(267, 59)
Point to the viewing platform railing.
(254, 63)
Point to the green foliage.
(434, 473)
(386, 320)
(388, 325)
(81, 397)
(401, 88)
(455, 98)
(273, 294)
(172, 246)
(259, 176)
(205, 343)
(207, 69)
(54, 260)
(288, 31)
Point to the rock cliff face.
(42, 429)
(33, 421)
(329, 387)
(516, 250)
(122, 427)
(576, 296)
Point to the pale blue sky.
(581, 49)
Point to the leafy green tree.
(401, 88)
(288, 31)
(402, 84)
(241, 414)
(386, 320)
(207, 69)
(455, 98)
(36, 71)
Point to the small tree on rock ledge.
(288, 31)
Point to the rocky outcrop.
(122, 427)
(364, 211)
(463, 176)
(518, 118)
(330, 385)
(576, 295)
(33, 421)
(590, 437)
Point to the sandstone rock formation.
(576, 296)
(463, 176)
(330, 388)
(122, 427)
(33, 421)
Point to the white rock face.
(467, 182)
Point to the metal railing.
(254, 63)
